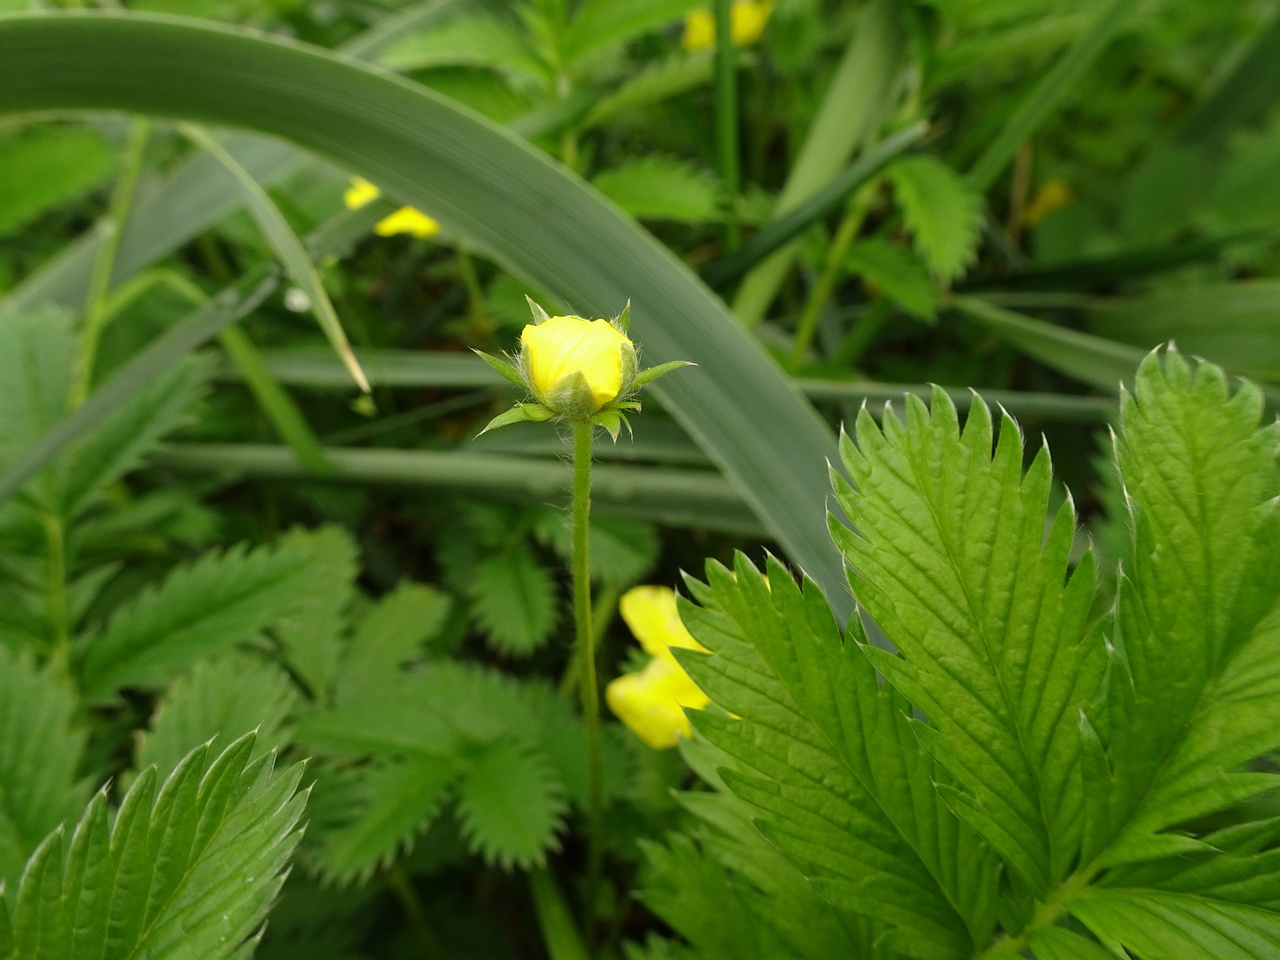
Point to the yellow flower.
(650, 702)
(405, 220)
(746, 24)
(575, 366)
(1054, 195)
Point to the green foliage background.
(1038, 725)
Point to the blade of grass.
(1243, 97)
(483, 184)
(199, 193)
(288, 248)
(720, 273)
(695, 498)
(857, 102)
(1049, 91)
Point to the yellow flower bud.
(574, 366)
(746, 24)
(649, 702)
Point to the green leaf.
(952, 558)
(393, 803)
(473, 40)
(219, 700)
(854, 809)
(190, 872)
(473, 178)
(942, 212)
(40, 755)
(311, 635)
(1193, 687)
(221, 600)
(652, 83)
(600, 24)
(35, 367)
(511, 806)
(889, 269)
(45, 166)
(514, 601)
(392, 633)
(1157, 924)
(1058, 943)
(655, 187)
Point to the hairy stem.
(104, 265)
(588, 684)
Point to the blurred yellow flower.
(575, 366)
(405, 220)
(1054, 195)
(746, 24)
(649, 702)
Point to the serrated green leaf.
(190, 873)
(393, 803)
(942, 212)
(40, 754)
(1157, 924)
(514, 600)
(219, 701)
(471, 39)
(511, 806)
(1194, 685)
(884, 850)
(600, 24)
(662, 188)
(390, 634)
(311, 635)
(963, 577)
(222, 600)
(889, 269)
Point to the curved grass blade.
(288, 248)
(482, 184)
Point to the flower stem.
(105, 262)
(587, 661)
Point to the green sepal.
(623, 320)
(504, 368)
(611, 420)
(625, 405)
(519, 414)
(661, 370)
(572, 397)
(536, 309)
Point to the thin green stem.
(559, 935)
(56, 543)
(832, 271)
(1046, 915)
(104, 264)
(587, 661)
(603, 610)
(727, 119)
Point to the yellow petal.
(747, 21)
(407, 220)
(699, 31)
(649, 702)
(654, 618)
(360, 193)
(559, 347)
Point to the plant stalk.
(727, 119)
(95, 316)
(832, 270)
(587, 662)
